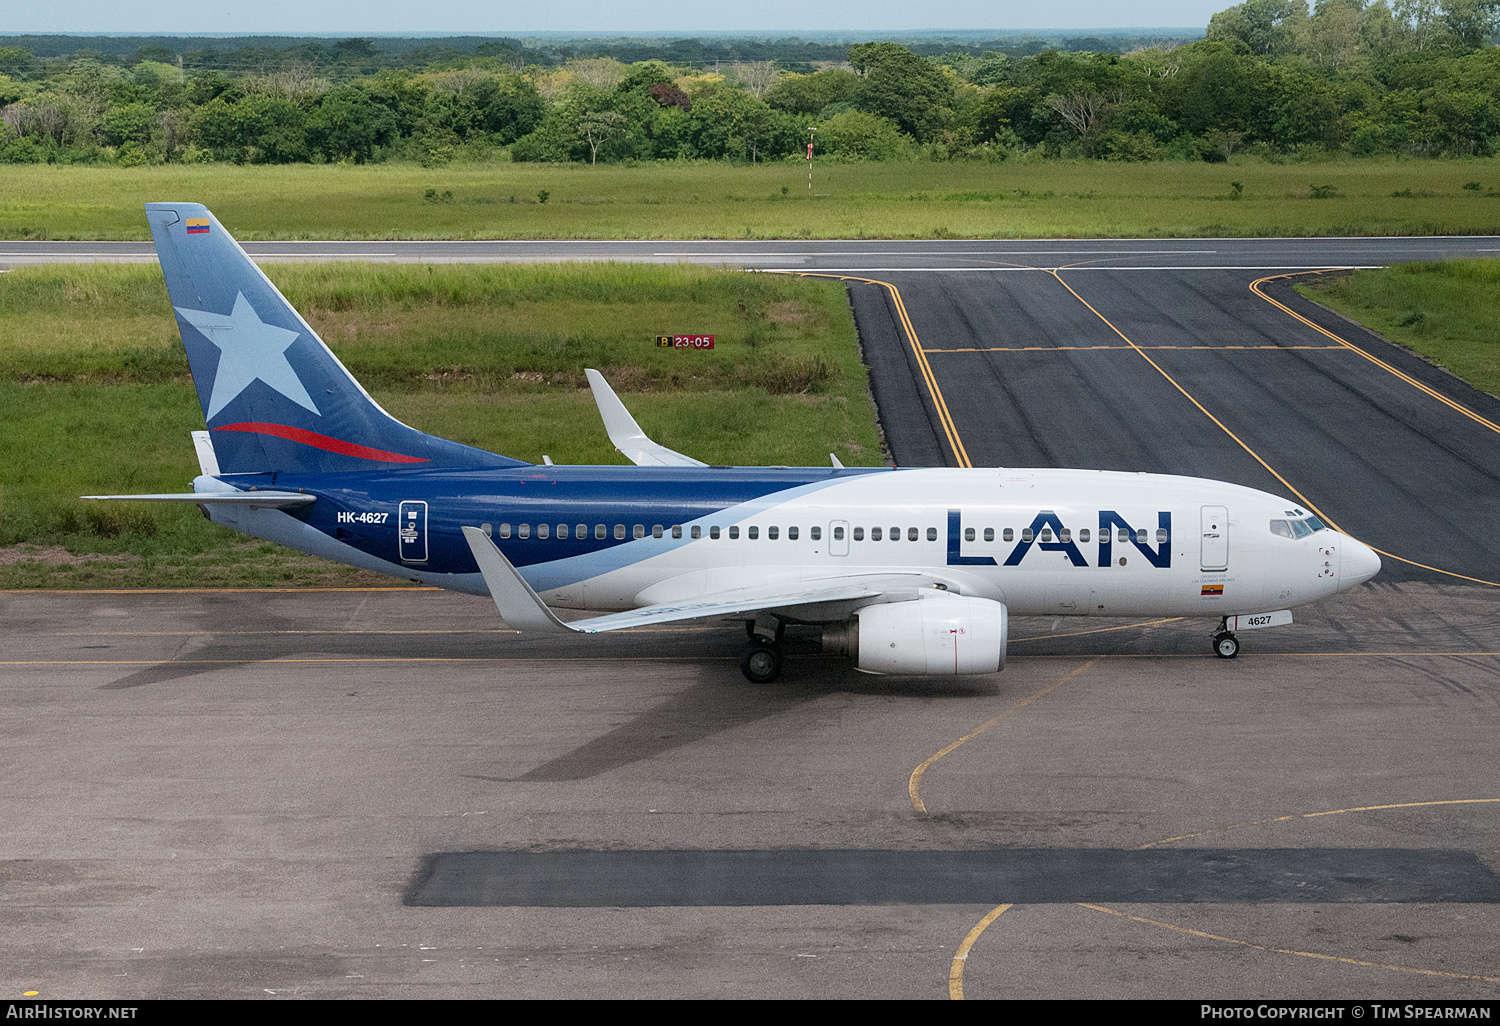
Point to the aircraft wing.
(525, 611)
(627, 435)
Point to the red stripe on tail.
(324, 442)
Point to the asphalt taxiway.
(257, 794)
(335, 794)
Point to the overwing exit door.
(1215, 549)
(838, 538)
(411, 531)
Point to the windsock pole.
(810, 132)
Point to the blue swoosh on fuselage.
(533, 495)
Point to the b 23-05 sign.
(685, 341)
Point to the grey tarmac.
(233, 794)
(242, 794)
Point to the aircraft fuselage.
(1056, 542)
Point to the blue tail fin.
(274, 396)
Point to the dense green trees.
(1276, 77)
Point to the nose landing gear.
(1226, 645)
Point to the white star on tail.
(249, 349)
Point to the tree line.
(1271, 77)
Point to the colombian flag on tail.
(197, 226)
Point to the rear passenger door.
(411, 531)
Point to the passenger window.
(1009, 535)
(989, 534)
(734, 532)
(752, 533)
(486, 529)
(1046, 534)
(1123, 536)
(1161, 536)
(838, 534)
(817, 532)
(581, 531)
(875, 534)
(562, 530)
(791, 534)
(1065, 535)
(859, 533)
(932, 534)
(542, 530)
(697, 531)
(619, 532)
(638, 531)
(505, 530)
(895, 534)
(656, 531)
(968, 534)
(772, 533)
(524, 530)
(1083, 534)
(1281, 528)
(1026, 534)
(599, 531)
(713, 532)
(676, 530)
(912, 534)
(1140, 535)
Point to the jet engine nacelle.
(937, 635)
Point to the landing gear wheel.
(1226, 645)
(761, 664)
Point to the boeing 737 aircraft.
(907, 571)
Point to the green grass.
(96, 398)
(1448, 311)
(1017, 198)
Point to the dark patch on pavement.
(633, 879)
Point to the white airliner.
(910, 571)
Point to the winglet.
(514, 598)
(836, 464)
(627, 435)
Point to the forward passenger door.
(1215, 548)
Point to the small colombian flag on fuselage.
(197, 226)
(1213, 589)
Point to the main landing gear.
(761, 663)
(1226, 645)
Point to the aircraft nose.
(1358, 564)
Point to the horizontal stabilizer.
(266, 500)
(627, 435)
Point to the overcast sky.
(512, 17)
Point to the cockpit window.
(1296, 528)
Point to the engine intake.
(937, 635)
